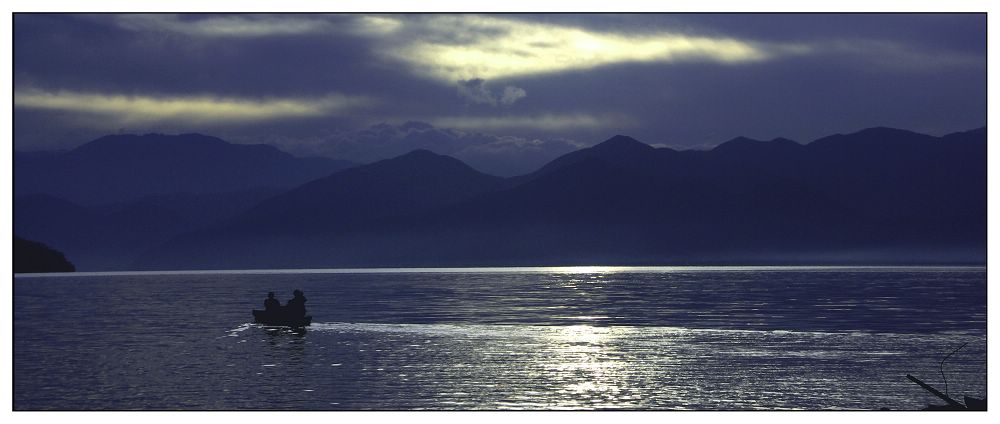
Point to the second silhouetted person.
(296, 307)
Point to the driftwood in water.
(951, 402)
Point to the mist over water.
(514, 338)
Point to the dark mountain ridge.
(96, 240)
(32, 256)
(122, 168)
(874, 196)
(411, 183)
(117, 196)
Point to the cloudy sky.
(503, 92)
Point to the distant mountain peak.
(423, 160)
(737, 141)
(885, 137)
(421, 152)
(125, 167)
(977, 132)
(620, 142)
(743, 144)
(883, 131)
(419, 155)
(131, 140)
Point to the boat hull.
(278, 319)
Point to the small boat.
(279, 319)
(974, 404)
(971, 403)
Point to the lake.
(703, 338)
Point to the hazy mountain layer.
(876, 196)
(122, 168)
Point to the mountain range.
(879, 195)
(32, 256)
(110, 199)
(123, 168)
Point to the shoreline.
(526, 270)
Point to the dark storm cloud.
(803, 98)
(113, 53)
(682, 80)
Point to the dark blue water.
(514, 338)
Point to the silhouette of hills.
(303, 221)
(875, 196)
(123, 168)
(110, 199)
(32, 256)
(96, 240)
(414, 182)
(618, 149)
(744, 148)
(108, 237)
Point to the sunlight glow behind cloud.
(462, 47)
(125, 109)
(377, 25)
(452, 48)
(224, 26)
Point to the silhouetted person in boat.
(296, 308)
(271, 304)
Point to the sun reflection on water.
(586, 366)
(585, 269)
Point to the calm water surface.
(507, 338)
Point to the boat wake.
(494, 331)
